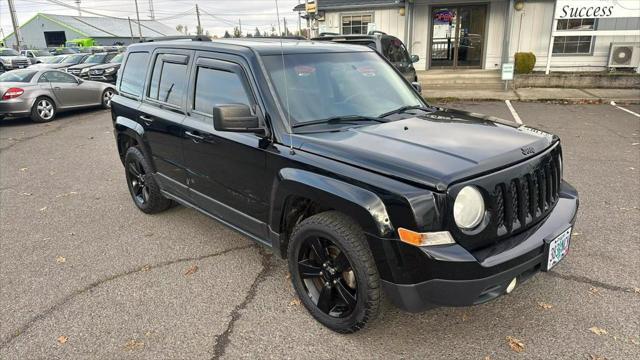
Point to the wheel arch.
(130, 133)
(298, 194)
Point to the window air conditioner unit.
(624, 55)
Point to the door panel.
(163, 134)
(227, 170)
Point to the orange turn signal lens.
(425, 239)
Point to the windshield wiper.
(402, 109)
(345, 119)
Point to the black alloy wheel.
(327, 276)
(142, 185)
(136, 177)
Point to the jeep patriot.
(324, 153)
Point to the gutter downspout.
(506, 41)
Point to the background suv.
(389, 46)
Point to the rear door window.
(60, 77)
(169, 79)
(133, 74)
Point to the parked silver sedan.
(41, 93)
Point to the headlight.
(5, 60)
(85, 70)
(468, 209)
(109, 70)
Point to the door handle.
(194, 136)
(56, 88)
(147, 119)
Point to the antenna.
(286, 86)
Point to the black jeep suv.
(326, 154)
(389, 46)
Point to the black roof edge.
(178, 37)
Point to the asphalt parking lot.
(84, 274)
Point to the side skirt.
(265, 242)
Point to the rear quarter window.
(135, 68)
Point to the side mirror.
(80, 81)
(417, 86)
(415, 59)
(235, 117)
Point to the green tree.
(236, 32)
(257, 33)
(226, 34)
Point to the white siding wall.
(387, 20)
(537, 19)
(33, 33)
(494, 36)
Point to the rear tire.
(43, 110)
(107, 94)
(143, 187)
(333, 271)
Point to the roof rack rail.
(328, 34)
(290, 37)
(178, 37)
(373, 32)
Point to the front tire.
(144, 190)
(43, 110)
(333, 271)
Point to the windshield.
(53, 59)
(23, 76)
(95, 59)
(324, 86)
(72, 59)
(117, 59)
(41, 53)
(9, 52)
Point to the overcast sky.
(216, 15)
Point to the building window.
(574, 44)
(355, 24)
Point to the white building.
(486, 33)
(50, 30)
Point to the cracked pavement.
(78, 260)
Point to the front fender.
(362, 205)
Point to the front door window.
(457, 36)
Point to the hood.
(435, 150)
(11, 58)
(81, 66)
(107, 65)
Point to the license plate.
(558, 248)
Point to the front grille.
(528, 197)
(516, 198)
(20, 63)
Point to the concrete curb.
(547, 95)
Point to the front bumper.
(461, 278)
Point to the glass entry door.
(458, 36)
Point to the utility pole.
(299, 22)
(152, 13)
(130, 28)
(16, 27)
(138, 17)
(240, 26)
(199, 29)
(286, 31)
(78, 6)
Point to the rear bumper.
(14, 108)
(462, 279)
